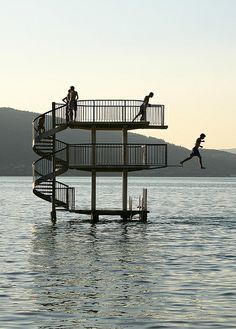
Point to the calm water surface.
(176, 271)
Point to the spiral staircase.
(53, 162)
(45, 172)
(56, 157)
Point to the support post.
(53, 212)
(144, 206)
(125, 174)
(166, 159)
(94, 216)
(124, 190)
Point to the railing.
(44, 166)
(107, 110)
(65, 194)
(43, 170)
(117, 111)
(154, 155)
(100, 111)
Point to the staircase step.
(44, 141)
(44, 145)
(44, 188)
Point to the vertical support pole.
(67, 199)
(124, 112)
(94, 215)
(166, 159)
(144, 155)
(124, 190)
(68, 195)
(144, 199)
(144, 206)
(53, 212)
(125, 174)
(94, 118)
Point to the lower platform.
(124, 214)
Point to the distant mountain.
(17, 155)
(230, 150)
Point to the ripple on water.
(176, 271)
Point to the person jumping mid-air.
(195, 151)
(143, 107)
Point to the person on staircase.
(41, 124)
(143, 107)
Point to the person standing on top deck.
(72, 104)
(69, 114)
(143, 107)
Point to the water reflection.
(121, 275)
(87, 271)
(178, 270)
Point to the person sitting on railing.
(143, 107)
(69, 114)
(41, 128)
(73, 97)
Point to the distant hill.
(230, 150)
(17, 155)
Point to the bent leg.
(187, 159)
(136, 116)
(143, 117)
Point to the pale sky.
(182, 50)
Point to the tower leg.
(94, 216)
(125, 174)
(143, 217)
(124, 193)
(144, 206)
(53, 212)
(54, 216)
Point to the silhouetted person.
(69, 113)
(73, 97)
(143, 107)
(41, 123)
(195, 151)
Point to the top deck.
(104, 114)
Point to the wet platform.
(124, 214)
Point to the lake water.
(176, 271)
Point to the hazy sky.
(182, 50)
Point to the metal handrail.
(65, 194)
(102, 111)
(43, 167)
(64, 158)
(60, 116)
(113, 155)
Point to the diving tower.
(57, 157)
